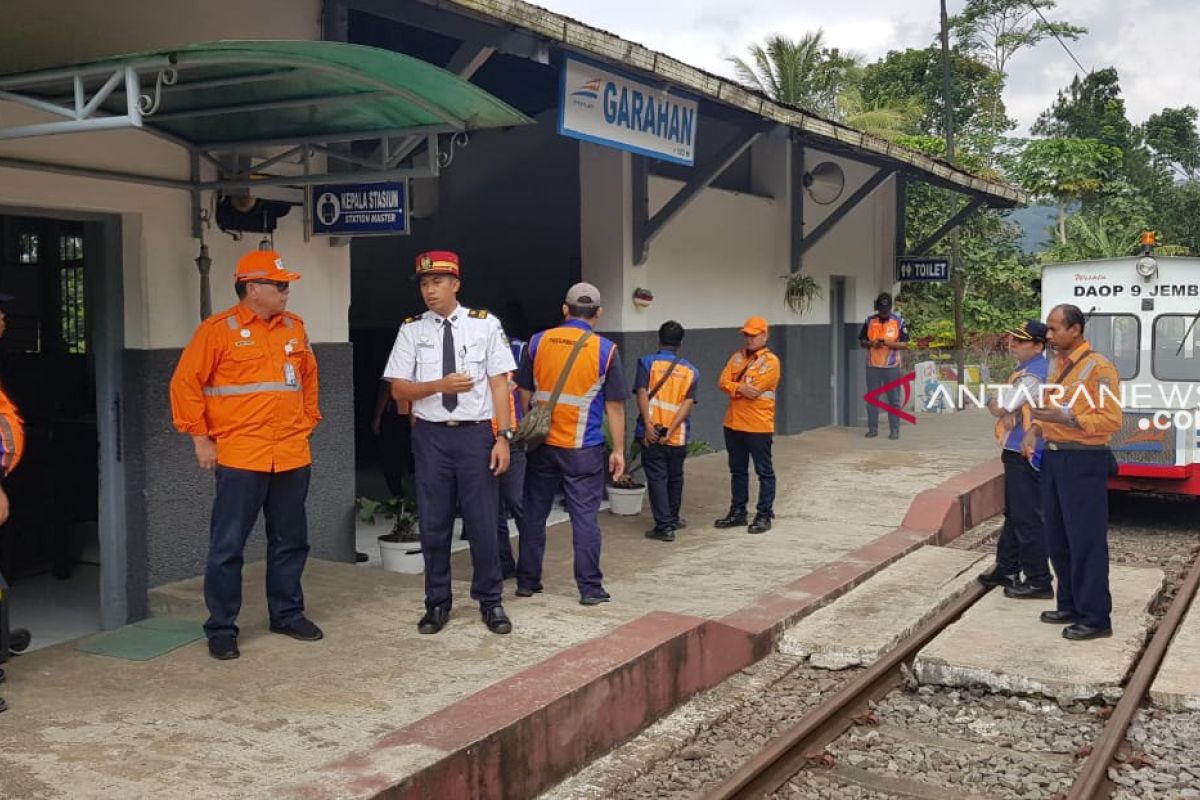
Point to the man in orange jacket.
(12, 445)
(245, 390)
(750, 379)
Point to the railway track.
(831, 751)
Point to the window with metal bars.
(71, 294)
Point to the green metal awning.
(261, 92)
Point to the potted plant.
(625, 495)
(400, 549)
(799, 291)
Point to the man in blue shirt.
(1021, 547)
(666, 392)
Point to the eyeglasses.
(280, 285)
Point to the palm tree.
(801, 72)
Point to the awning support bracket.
(846, 206)
(963, 213)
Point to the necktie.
(449, 401)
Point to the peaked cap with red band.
(437, 262)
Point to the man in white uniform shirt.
(452, 364)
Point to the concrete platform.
(1177, 685)
(858, 628)
(376, 707)
(1001, 644)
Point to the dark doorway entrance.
(50, 549)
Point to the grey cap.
(583, 295)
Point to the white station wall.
(725, 256)
(161, 283)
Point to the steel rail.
(1092, 783)
(788, 753)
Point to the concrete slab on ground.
(1001, 644)
(88, 726)
(1177, 686)
(861, 626)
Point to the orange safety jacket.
(761, 370)
(1095, 413)
(12, 435)
(252, 387)
(670, 397)
(578, 417)
(888, 330)
(512, 407)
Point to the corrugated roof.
(598, 43)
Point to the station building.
(144, 146)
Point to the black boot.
(761, 524)
(734, 519)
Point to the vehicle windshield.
(1176, 357)
(1117, 336)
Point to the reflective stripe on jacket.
(1091, 391)
(578, 417)
(889, 331)
(761, 370)
(12, 435)
(668, 400)
(251, 386)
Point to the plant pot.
(401, 556)
(625, 502)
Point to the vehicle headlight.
(1147, 266)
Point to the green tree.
(799, 72)
(1066, 169)
(1173, 137)
(995, 30)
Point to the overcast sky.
(1152, 43)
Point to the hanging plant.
(800, 291)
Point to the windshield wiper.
(1183, 338)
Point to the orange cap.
(263, 265)
(437, 262)
(754, 326)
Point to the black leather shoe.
(1058, 617)
(894, 435)
(731, 520)
(434, 619)
(1027, 591)
(871, 434)
(995, 578)
(361, 558)
(761, 524)
(594, 599)
(528, 591)
(496, 620)
(1080, 632)
(223, 648)
(3, 705)
(303, 629)
(661, 534)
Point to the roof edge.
(602, 44)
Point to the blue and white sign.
(609, 108)
(912, 268)
(360, 209)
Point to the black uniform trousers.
(512, 491)
(1022, 544)
(664, 482)
(1075, 511)
(742, 446)
(877, 377)
(241, 494)
(452, 472)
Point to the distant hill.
(1036, 222)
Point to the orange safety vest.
(761, 370)
(889, 331)
(670, 397)
(578, 417)
(251, 386)
(512, 407)
(12, 435)
(1096, 413)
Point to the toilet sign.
(910, 268)
(360, 209)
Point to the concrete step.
(1177, 686)
(1001, 644)
(871, 619)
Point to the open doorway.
(52, 364)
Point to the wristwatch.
(508, 434)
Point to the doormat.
(145, 640)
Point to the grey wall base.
(804, 398)
(169, 497)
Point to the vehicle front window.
(1176, 348)
(1117, 336)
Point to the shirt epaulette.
(410, 319)
(478, 313)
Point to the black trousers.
(742, 447)
(512, 490)
(241, 495)
(1075, 509)
(881, 376)
(1022, 544)
(664, 482)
